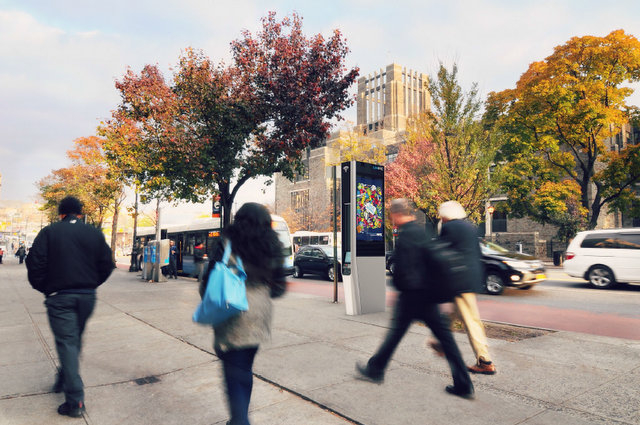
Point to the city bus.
(303, 237)
(207, 231)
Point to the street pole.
(133, 267)
(336, 272)
(156, 266)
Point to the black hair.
(70, 205)
(253, 238)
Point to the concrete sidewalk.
(304, 376)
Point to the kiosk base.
(365, 289)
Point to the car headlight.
(520, 265)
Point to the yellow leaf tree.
(555, 123)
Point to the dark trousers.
(173, 269)
(415, 305)
(238, 376)
(68, 314)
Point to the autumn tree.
(448, 151)
(89, 179)
(218, 126)
(556, 121)
(352, 145)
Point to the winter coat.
(410, 258)
(69, 255)
(252, 327)
(463, 237)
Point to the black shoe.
(73, 411)
(466, 394)
(366, 374)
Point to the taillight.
(569, 255)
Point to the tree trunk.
(114, 229)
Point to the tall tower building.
(387, 98)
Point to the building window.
(300, 206)
(498, 222)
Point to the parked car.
(605, 257)
(502, 268)
(507, 268)
(315, 259)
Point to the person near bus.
(173, 260)
(198, 259)
(237, 339)
(67, 262)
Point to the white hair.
(452, 210)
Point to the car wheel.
(330, 274)
(297, 273)
(601, 277)
(494, 283)
(526, 287)
(392, 268)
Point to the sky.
(59, 59)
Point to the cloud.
(60, 59)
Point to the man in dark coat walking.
(415, 303)
(67, 262)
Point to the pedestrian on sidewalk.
(173, 258)
(198, 259)
(21, 253)
(415, 302)
(1, 255)
(236, 340)
(462, 235)
(67, 262)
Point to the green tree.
(448, 151)
(555, 124)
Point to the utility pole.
(156, 264)
(133, 267)
(336, 272)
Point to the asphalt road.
(560, 303)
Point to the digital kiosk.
(363, 247)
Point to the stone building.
(385, 100)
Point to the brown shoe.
(483, 368)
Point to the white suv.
(604, 257)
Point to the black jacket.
(410, 257)
(463, 237)
(69, 255)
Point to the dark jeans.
(68, 314)
(415, 305)
(173, 269)
(238, 376)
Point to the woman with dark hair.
(236, 340)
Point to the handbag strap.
(227, 253)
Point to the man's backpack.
(449, 269)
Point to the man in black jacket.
(415, 303)
(67, 262)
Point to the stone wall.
(531, 243)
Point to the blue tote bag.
(226, 294)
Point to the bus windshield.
(283, 234)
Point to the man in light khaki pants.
(463, 236)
